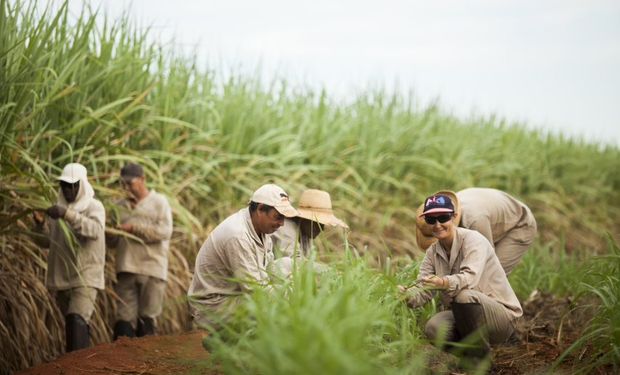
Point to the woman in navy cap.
(462, 266)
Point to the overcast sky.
(551, 64)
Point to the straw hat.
(316, 205)
(424, 232)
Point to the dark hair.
(132, 170)
(254, 205)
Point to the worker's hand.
(56, 212)
(38, 217)
(126, 227)
(435, 282)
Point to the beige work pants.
(511, 249)
(79, 301)
(141, 296)
(496, 321)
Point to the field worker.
(506, 222)
(474, 288)
(76, 261)
(235, 256)
(296, 236)
(141, 261)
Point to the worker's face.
(70, 191)
(441, 224)
(268, 221)
(310, 228)
(132, 185)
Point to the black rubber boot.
(76, 332)
(146, 327)
(469, 321)
(123, 328)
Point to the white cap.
(274, 196)
(73, 173)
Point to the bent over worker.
(141, 261)
(76, 260)
(296, 236)
(506, 222)
(234, 258)
(474, 288)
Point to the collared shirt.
(78, 260)
(472, 264)
(231, 261)
(492, 212)
(151, 221)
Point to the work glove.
(56, 212)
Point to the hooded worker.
(76, 241)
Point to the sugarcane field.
(164, 215)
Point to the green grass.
(600, 341)
(548, 268)
(349, 319)
(75, 92)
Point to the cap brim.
(437, 211)
(68, 179)
(322, 218)
(287, 210)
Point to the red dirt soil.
(180, 354)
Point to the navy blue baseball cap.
(438, 204)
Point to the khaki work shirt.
(79, 263)
(492, 212)
(151, 221)
(231, 261)
(472, 265)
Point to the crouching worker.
(76, 259)
(142, 258)
(297, 235)
(234, 258)
(463, 267)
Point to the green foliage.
(349, 319)
(601, 338)
(547, 268)
(73, 91)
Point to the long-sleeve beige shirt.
(151, 221)
(80, 262)
(472, 264)
(492, 212)
(231, 261)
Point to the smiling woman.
(481, 306)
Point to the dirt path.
(174, 354)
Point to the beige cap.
(73, 172)
(316, 205)
(423, 231)
(274, 196)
